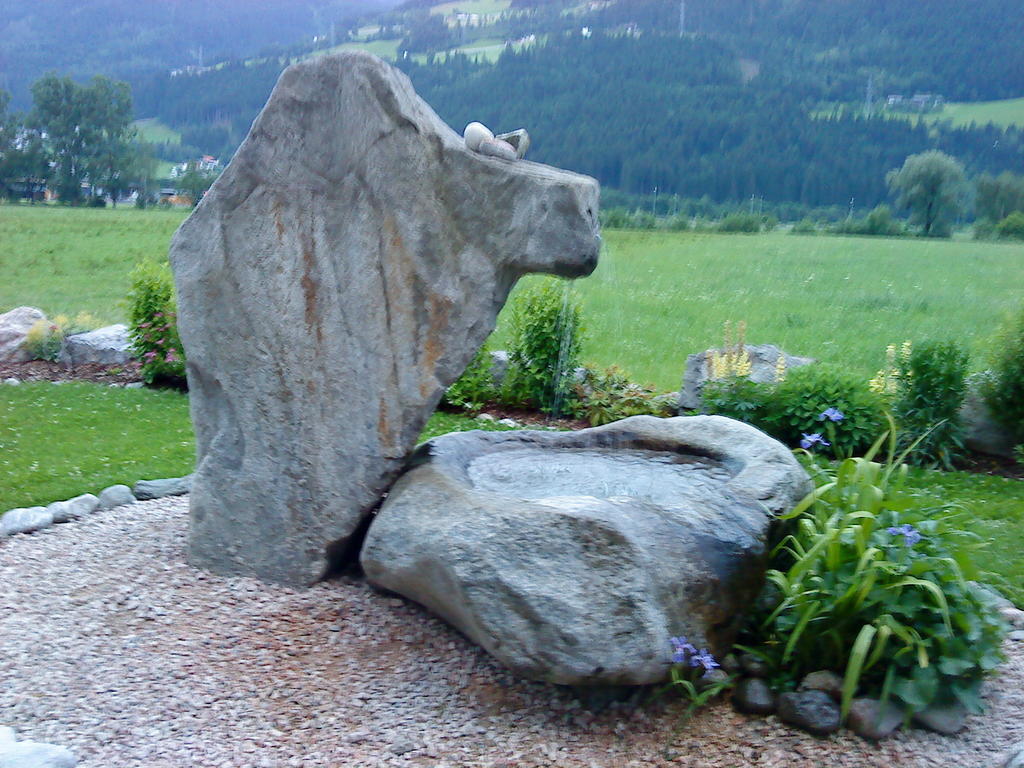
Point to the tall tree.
(933, 186)
(999, 196)
(24, 165)
(87, 128)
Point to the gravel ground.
(115, 647)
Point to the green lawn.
(483, 7)
(68, 260)
(60, 440)
(1005, 112)
(152, 130)
(385, 49)
(657, 297)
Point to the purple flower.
(681, 650)
(911, 535)
(812, 440)
(703, 658)
(832, 414)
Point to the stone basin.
(574, 557)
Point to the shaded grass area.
(1004, 113)
(69, 260)
(60, 440)
(152, 130)
(993, 508)
(657, 297)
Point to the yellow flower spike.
(780, 369)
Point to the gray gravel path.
(113, 646)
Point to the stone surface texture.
(948, 719)
(116, 496)
(870, 719)
(105, 346)
(72, 509)
(823, 680)
(982, 433)
(341, 272)
(14, 327)
(574, 557)
(32, 754)
(115, 647)
(753, 696)
(145, 490)
(812, 711)
(24, 520)
(763, 359)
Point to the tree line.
(77, 140)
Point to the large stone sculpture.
(574, 557)
(339, 275)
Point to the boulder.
(824, 680)
(870, 719)
(341, 272)
(158, 489)
(573, 557)
(763, 361)
(946, 719)
(24, 520)
(116, 496)
(1015, 757)
(72, 509)
(753, 696)
(32, 754)
(106, 346)
(982, 433)
(811, 711)
(14, 328)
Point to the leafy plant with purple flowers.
(693, 673)
(153, 324)
(875, 586)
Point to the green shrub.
(740, 222)
(795, 409)
(737, 397)
(606, 396)
(546, 332)
(475, 388)
(804, 227)
(1012, 227)
(152, 323)
(932, 385)
(1004, 389)
(879, 223)
(872, 585)
(984, 229)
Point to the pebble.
(753, 696)
(824, 680)
(812, 711)
(948, 720)
(116, 496)
(12, 381)
(869, 719)
(25, 520)
(150, 662)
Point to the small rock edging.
(32, 519)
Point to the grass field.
(482, 7)
(67, 260)
(152, 130)
(60, 440)
(655, 298)
(1005, 112)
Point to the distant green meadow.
(655, 297)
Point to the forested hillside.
(780, 100)
(129, 39)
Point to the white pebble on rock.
(476, 133)
(12, 381)
(116, 496)
(24, 520)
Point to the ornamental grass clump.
(1003, 390)
(878, 587)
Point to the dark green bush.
(475, 388)
(804, 227)
(870, 584)
(740, 222)
(606, 396)
(879, 223)
(546, 333)
(795, 409)
(152, 322)
(1012, 227)
(927, 408)
(737, 397)
(1003, 390)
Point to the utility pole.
(682, 18)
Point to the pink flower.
(150, 356)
